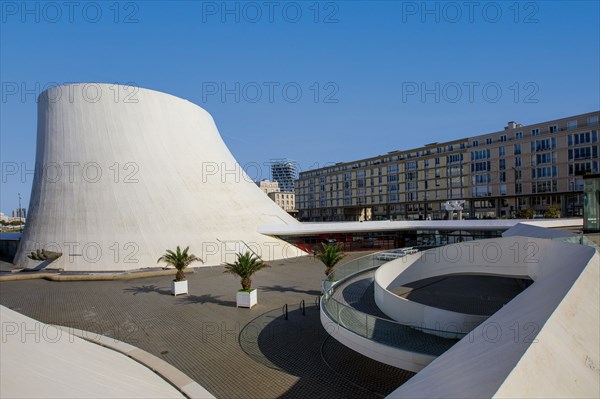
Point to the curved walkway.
(357, 293)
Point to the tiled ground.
(480, 295)
(234, 353)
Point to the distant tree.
(526, 213)
(552, 213)
(330, 255)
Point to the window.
(535, 132)
(592, 120)
(517, 162)
(502, 151)
(411, 165)
(571, 125)
(454, 158)
(489, 140)
(517, 149)
(503, 138)
(518, 135)
(553, 129)
(475, 143)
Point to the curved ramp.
(543, 343)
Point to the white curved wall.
(543, 343)
(497, 257)
(117, 182)
(42, 361)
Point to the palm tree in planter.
(180, 260)
(330, 255)
(244, 267)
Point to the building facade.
(19, 213)
(284, 172)
(498, 174)
(267, 186)
(286, 201)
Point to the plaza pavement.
(233, 353)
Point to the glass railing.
(387, 332)
(349, 269)
(580, 239)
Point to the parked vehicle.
(396, 253)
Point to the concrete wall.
(123, 175)
(543, 343)
(42, 361)
(442, 322)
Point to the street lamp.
(19, 213)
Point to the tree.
(244, 267)
(180, 260)
(552, 212)
(526, 213)
(330, 255)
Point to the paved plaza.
(232, 352)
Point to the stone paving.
(479, 295)
(234, 353)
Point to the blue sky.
(315, 82)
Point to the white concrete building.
(544, 342)
(120, 179)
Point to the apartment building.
(497, 174)
(267, 186)
(285, 200)
(284, 172)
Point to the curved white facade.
(124, 173)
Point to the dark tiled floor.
(232, 352)
(480, 295)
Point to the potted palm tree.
(179, 260)
(244, 267)
(330, 255)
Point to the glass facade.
(591, 204)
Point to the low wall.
(495, 257)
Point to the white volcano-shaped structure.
(122, 174)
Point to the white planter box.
(179, 287)
(246, 299)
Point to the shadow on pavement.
(281, 288)
(300, 346)
(146, 289)
(206, 298)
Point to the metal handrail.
(327, 298)
(284, 310)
